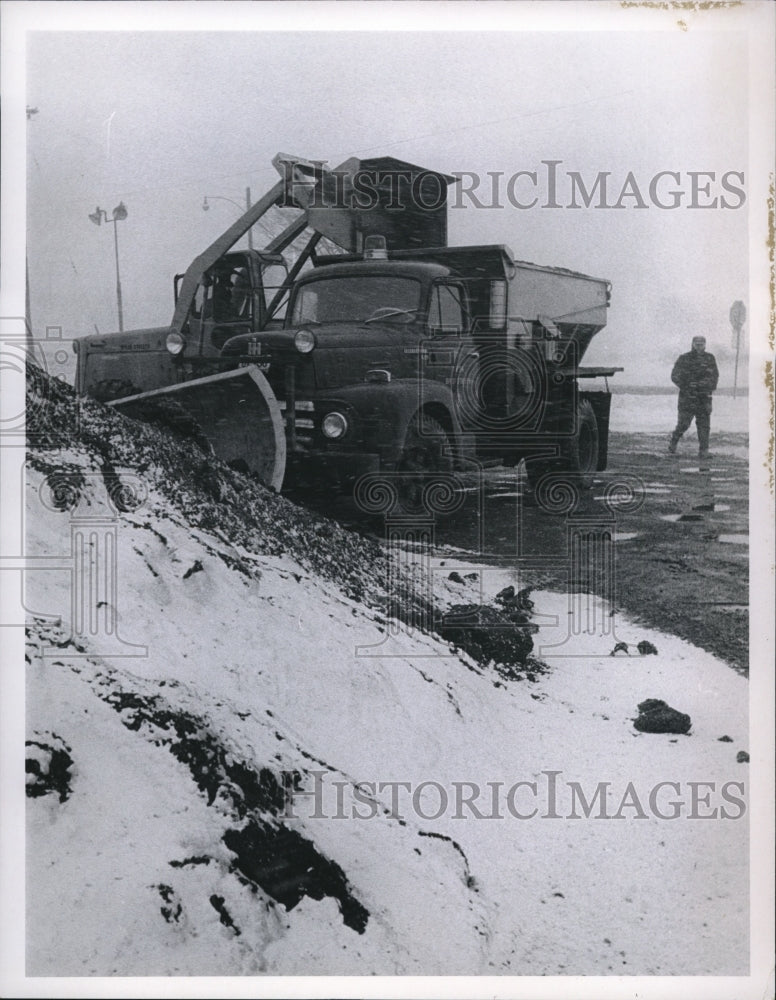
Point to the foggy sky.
(160, 119)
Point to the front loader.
(224, 294)
(397, 355)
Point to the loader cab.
(241, 293)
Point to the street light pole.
(119, 214)
(220, 197)
(118, 275)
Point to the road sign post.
(737, 320)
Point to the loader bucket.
(236, 412)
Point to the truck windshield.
(356, 299)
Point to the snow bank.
(276, 778)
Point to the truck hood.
(343, 354)
(328, 336)
(148, 339)
(117, 364)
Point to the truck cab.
(366, 345)
(479, 349)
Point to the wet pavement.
(680, 530)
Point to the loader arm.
(305, 198)
(291, 191)
(293, 273)
(196, 270)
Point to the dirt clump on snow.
(490, 635)
(499, 634)
(48, 766)
(655, 716)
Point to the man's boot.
(672, 442)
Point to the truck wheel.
(579, 456)
(426, 451)
(583, 451)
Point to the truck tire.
(583, 451)
(426, 451)
(579, 456)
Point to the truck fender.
(386, 408)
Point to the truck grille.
(303, 418)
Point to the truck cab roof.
(353, 266)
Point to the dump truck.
(391, 354)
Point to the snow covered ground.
(656, 414)
(239, 764)
(252, 669)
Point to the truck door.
(449, 344)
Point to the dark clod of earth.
(655, 716)
(288, 867)
(218, 904)
(725, 739)
(171, 908)
(645, 648)
(501, 636)
(742, 757)
(51, 774)
(456, 577)
(520, 601)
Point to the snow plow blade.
(236, 412)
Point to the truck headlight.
(304, 341)
(334, 425)
(175, 342)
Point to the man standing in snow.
(696, 375)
